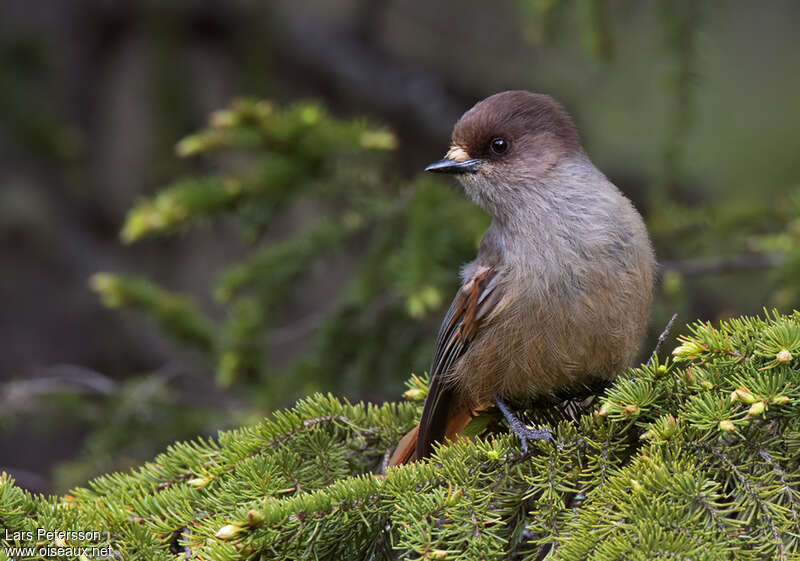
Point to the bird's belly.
(541, 345)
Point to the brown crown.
(515, 116)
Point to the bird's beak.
(448, 165)
(457, 160)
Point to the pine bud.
(454, 497)
(726, 426)
(604, 410)
(199, 482)
(669, 427)
(191, 145)
(706, 385)
(224, 118)
(493, 455)
(635, 485)
(780, 399)
(254, 518)
(310, 115)
(784, 356)
(378, 140)
(688, 349)
(647, 435)
(631, 410)
(756, 409)
(228, 531)
(414, 394)
(745, 396)
(436, 554)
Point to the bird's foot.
(524, 432)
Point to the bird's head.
(508, 144)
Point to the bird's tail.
(406, 450)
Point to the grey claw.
(522, 431)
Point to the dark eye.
(499, 145)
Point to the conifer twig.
(762, 506)
(787, 488)
(663, 336)
(187, 548)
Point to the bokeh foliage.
(404, 240)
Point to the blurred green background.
(156, 289)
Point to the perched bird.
(559, 294)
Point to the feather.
(405, 451)
(471, 305)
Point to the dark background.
(687, 106)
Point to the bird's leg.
(524, 432)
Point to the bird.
(560, 291)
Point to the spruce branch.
(305, 482)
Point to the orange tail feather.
(405, 451)
(406, 448)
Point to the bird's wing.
(474, 301)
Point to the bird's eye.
(499, 145)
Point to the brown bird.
(559, 294)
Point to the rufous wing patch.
(441, 416)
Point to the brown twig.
(663, 336)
